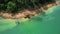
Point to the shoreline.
(27, 13)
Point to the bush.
(10, 6)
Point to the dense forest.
(14, 6)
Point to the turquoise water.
(48, 23)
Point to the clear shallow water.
(40, 24)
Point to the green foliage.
(15, 5)
(10, 6)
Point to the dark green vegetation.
(14, 6)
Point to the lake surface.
(48, 23)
